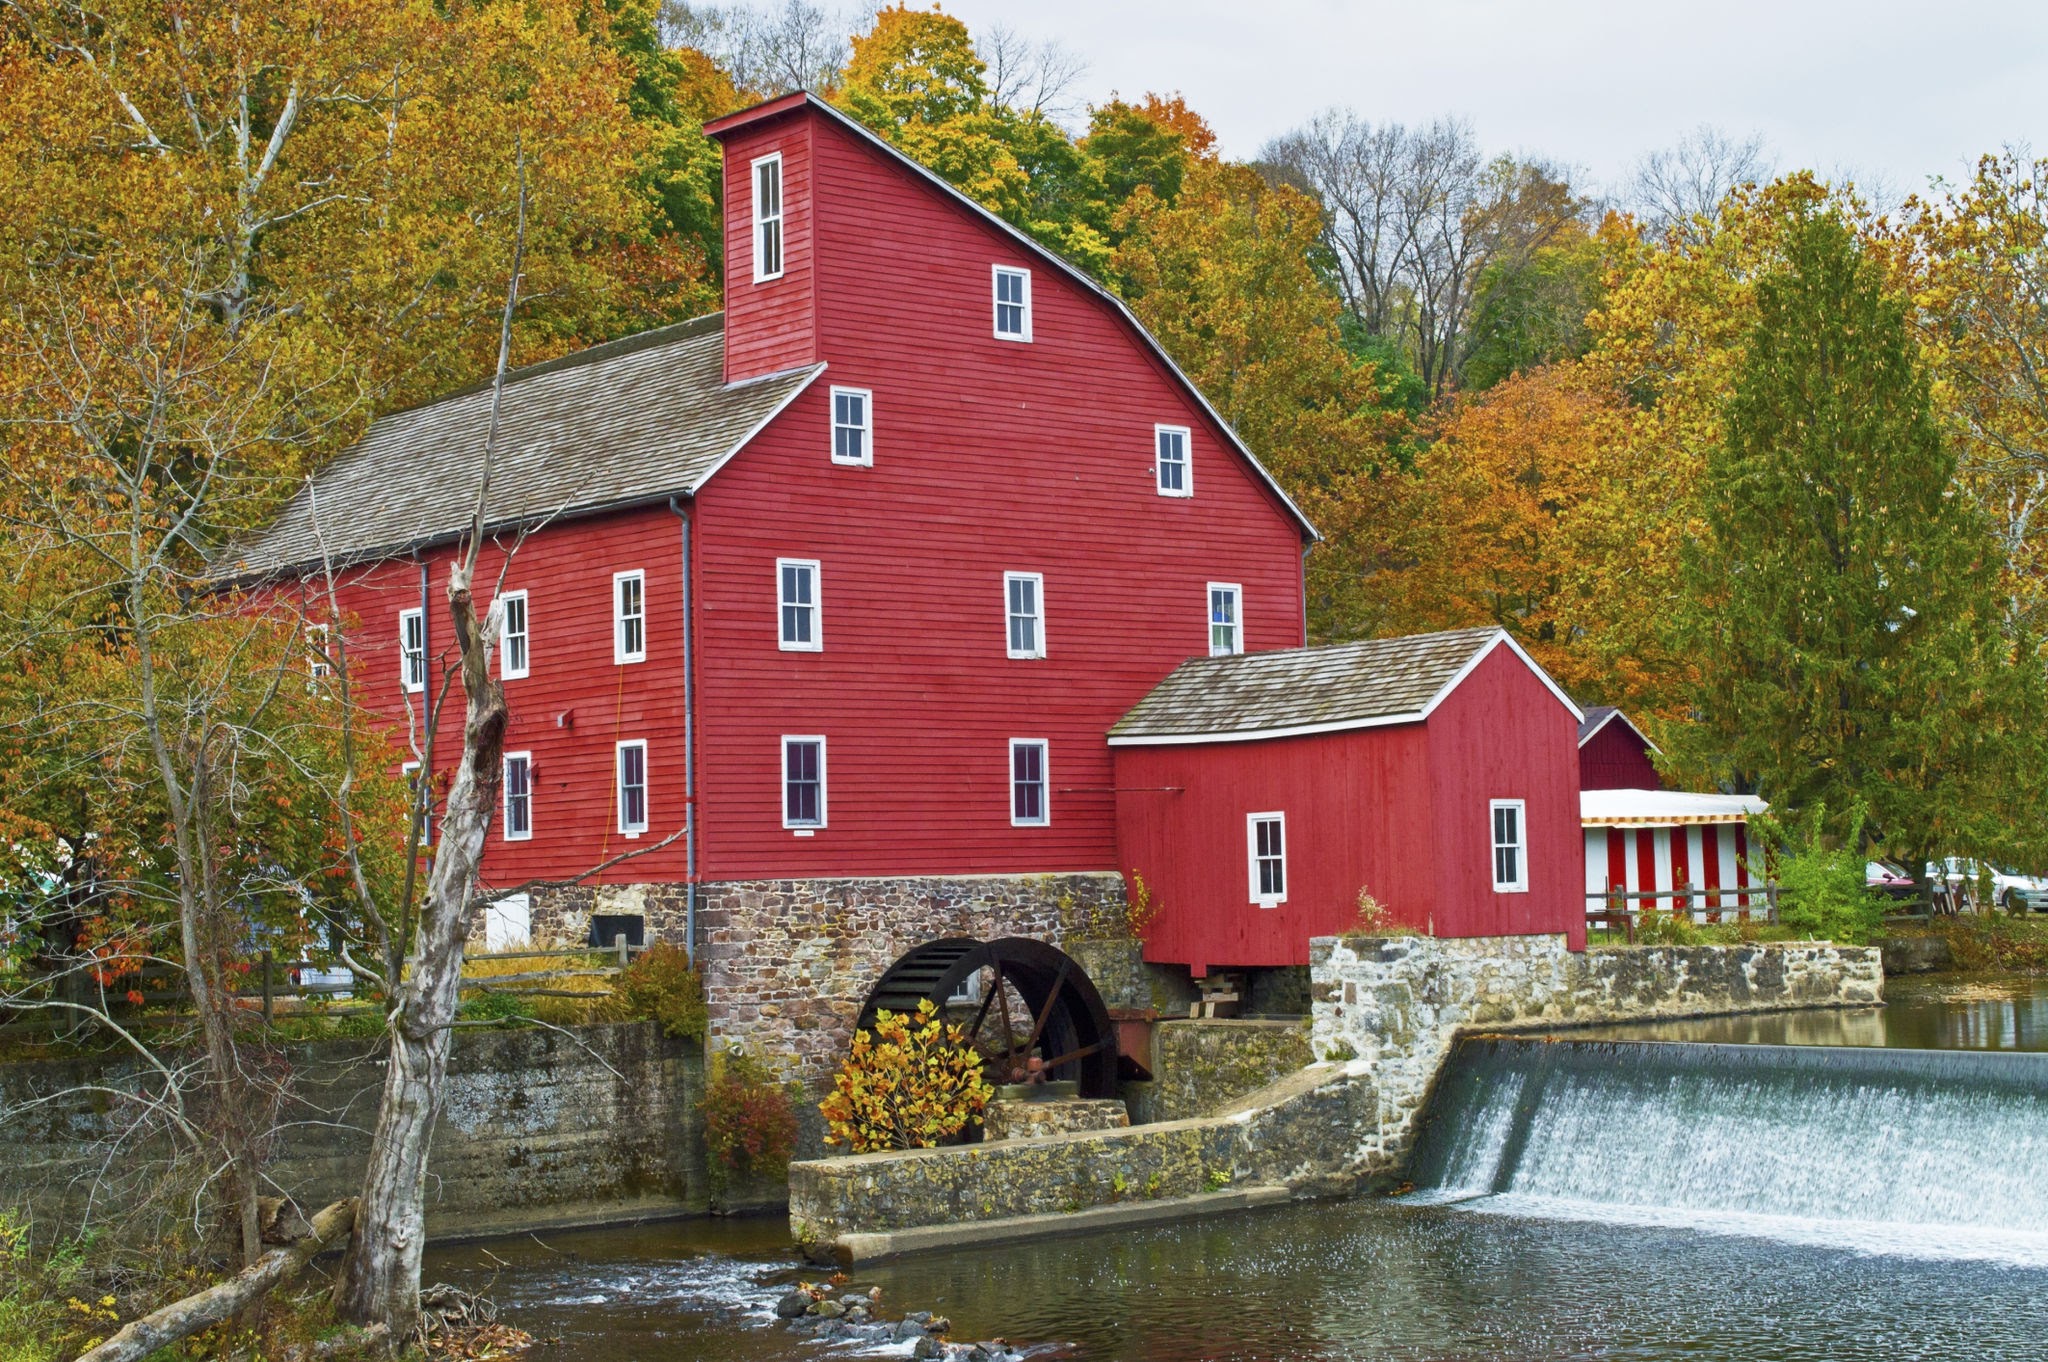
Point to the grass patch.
(1987, 942)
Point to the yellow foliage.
(911, 1083)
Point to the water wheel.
(1019, 1000)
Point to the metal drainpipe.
(689, 754)
(426, 620)
(1304, 592)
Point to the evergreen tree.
(1842, 608)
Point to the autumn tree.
(1841, 601)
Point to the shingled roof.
(629, 422)
(1312, 690)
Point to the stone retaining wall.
(1397, 1003)
(540, 1128)
(1201, 1067)
(1386, 1013)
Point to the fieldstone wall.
(1202, 1067)
(788, 963)
(588, 1125)
(1398, 1003)
(1010, 1119)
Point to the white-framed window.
(1510, 850)
(1174, 475)
(853, 415)
(768, 217)
(412, 648)
(632, 773)
(800, 623)
(1013, 303)
(1266, 848)
(629, 616)
(319, 663)
(514, 645)
(1024, 602)
(1226, 619)
(410, 771)
(1030, 798)
(803, 782)
(518, 797)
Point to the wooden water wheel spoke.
(1070, 1056)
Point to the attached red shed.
(1257, 796)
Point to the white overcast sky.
(1888, 92)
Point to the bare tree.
(768, 51)
(1030, 77)
(1682, 186)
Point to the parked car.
(2010, 890)
(1882, 877)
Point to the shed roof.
(632, 421)
(1599, 716)
(1313, 690)
(1663, 808)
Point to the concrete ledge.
(868, 1247)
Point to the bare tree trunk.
(380, 1279)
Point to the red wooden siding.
(1358, 816)
(989, 456)
(574, 704)
(1503, 735)
(773, 325)
(1617, 758)
(1401, 810)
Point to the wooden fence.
(1622, 908)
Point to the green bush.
(660, 986)
(1822, 891)
(491, 1005)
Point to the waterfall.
(1928, 1153)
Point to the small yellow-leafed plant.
(912, 1082)
(1143, 908)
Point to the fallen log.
(183, 1318)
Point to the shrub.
(911, 1083)
(1141, 908)
(1823, 892)
(749, 1120)
(491, 1005)
(660, 986)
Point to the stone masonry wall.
(788, 963)
(539, 1128)
(1398, 1003)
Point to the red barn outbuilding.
(1614, 754)
(1258, 796)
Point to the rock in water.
(830, 1309)
(794, 1304)
(927, 1347)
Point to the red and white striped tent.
(1663, 841)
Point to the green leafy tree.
(1841, 605)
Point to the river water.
(1618, 1196)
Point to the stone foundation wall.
(1398, 1003)
(1204, 1066)
(788, 963)
(539, 1128)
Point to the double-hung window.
(1266, 843)
(1510, 851)
(513, 647)
(412, 649)
(1024, 598)
(803, 783)
(853, 427)
(629, 616)
(518, 796)
(768, 218)
(632, 765)
(319, 662)
(1175, 478)
(1226, 619)
(1029, 807)
(796, 605)
(1013, 303)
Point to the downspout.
(1305, 548)
(689, 752)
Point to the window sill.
(1269, 903)
(803, 832)
(1511, 889)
